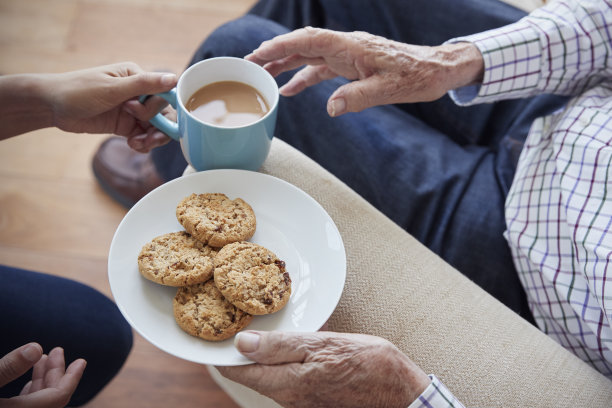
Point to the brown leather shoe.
(123, 173)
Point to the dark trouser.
(54, 312)
(440, 171)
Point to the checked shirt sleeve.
(436, 396)
(562, 48)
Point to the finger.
(46, 398)
(308, 42)
(17, 362)
(355, 97)
(265, 379)
(38, 374)
(57, 395)
(277, 347)
(276, 68)
(145, 137)
(155, 138)
(136, 142)
(306, 77)
(70, 380)
(123, 69)
(55, 368)
(26, 388)
(145, 111)
(145, 83)
(145, 142)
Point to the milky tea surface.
(227, 104)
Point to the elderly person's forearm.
(382, 71)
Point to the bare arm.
(94, 100)
(22, 107)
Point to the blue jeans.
(54, 311)
(440, 171)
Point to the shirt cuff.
(436, 395)
(512, 67)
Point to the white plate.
(289, 222)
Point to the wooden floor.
(46, 184)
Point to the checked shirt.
(559, 207)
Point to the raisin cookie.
(252, 278)
(202, 311)
(215, 219)
(176, 259)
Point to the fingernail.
(31, 353)
(168, 79)
(136, 143)
(247, 342)
(337, 107)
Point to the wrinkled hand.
(104, 100)
(52, 384)
(326, 369)
(384, 71)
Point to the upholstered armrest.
(398, 289)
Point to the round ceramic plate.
(289, 222)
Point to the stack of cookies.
(222, 280)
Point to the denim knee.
(238, 38)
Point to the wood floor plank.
(140, 385)
(65, 217)
(49, 154)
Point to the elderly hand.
(327, 369)
(384, 71)
(52, 384)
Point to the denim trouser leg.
(425, 22)
(438, 170)
(53, 312)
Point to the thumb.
(355, 96)
(275, 347)
(17, 362)
(146, 83)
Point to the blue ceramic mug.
(207, 146)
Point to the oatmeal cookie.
(202, 311)
(252, 278)
(215, 219)
(176, 259)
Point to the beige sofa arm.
(397, 289)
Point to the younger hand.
(384, 71)
(52, 384)
(104, 100)
(326, 369)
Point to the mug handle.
(160, 121)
